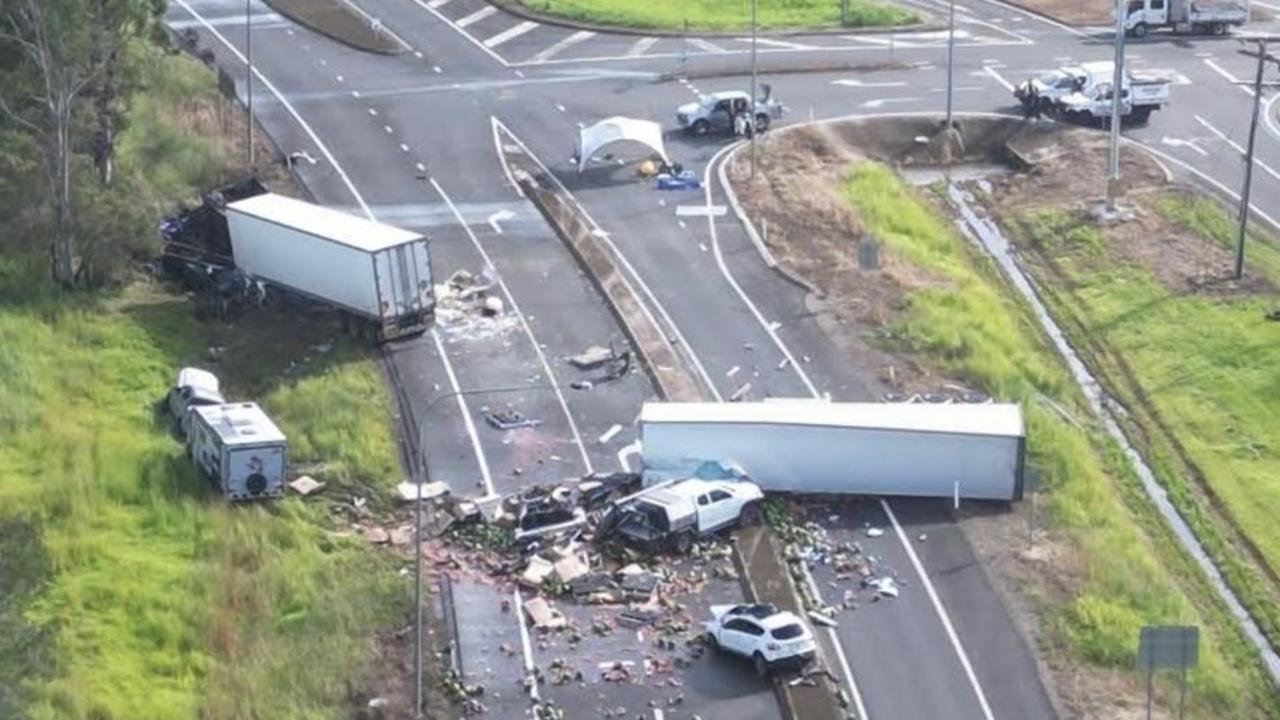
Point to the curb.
(318, 29)
(520, 10)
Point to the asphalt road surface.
(413, 140)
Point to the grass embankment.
(1197, 369)
(128, 587)
(963, 320)
(719, 15)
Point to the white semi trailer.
(913, 449)
(379, 276)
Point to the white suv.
(770, 637)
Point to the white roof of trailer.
(349, 230)
(995, 419)
(240, 423)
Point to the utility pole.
(751, 104)
(951, 49)
(248, 54)
(1262, 56)
(1117, 91)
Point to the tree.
(114, 24)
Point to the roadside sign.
(1168, 647)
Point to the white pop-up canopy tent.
(619, 129)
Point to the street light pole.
(248, 54)
(751, 104)
(1117, 86)
(1248, 157)
(951, 49)
(422, 476)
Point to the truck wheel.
(683, 542)
(762, 667)
(762, 122)
(751, 515)
(1138, 31)
(1218, 29)
(700, 127)
(1141, 116)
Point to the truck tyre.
(762, 667)
(1138, 31)
(1218, 28)
(751, 514)
(682, 543)
(700, 127)
(1141, 116)
(762, 122)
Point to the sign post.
(1168, 647)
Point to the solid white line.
(563, 45)
(537, 349)
(426, 6)
(355, 193)
(626, 264)
(1230, 78)
(1238, 148)
(777, 43)
(706, 46)
(437, 4)
(510, 33)
(835, 640)
(525, 646)
(477, 16)
(642, 46)
(995, 75)
(942, 613)
(502, 158)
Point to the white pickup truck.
(677, 514)
(1082, 93)
(1184, 16)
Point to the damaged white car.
(769, 637)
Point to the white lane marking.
(373, 112)
(995, 75)
(470, 38)
(706, 46)
(404, 147)
(626, 265)
(340, 78)
(1230, 78)
(525, 646)
(562, 45)
(510, 33)
(388, 129)
(477, 16)
(355, 193)
(467, 422)
(700, 210)
(1179, 142)
(1254, 209)
(1237, 147)
(498, 217)
(421, 168)
(524, 322)
(835, 640)
(881, 102)
(957, 88)
(257, 20)
(502, 158)
(437, 4)
(770, 42)
(942, 613)
(861, 84)
(642, 46)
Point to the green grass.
(150, 596)
(1198, 371)
(724, 15)
(966, 323)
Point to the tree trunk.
(64, 271)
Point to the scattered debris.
(543, 616)
(408, 491)
(610, 434)
(822, 619)
(884, 585)
(509, 419)
(377, 536)
(874, 532)
(306, 485)
(591, 358)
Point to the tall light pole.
(1263, 56)
(248, 54)
(951, 49)
(422, 476)
(1117, 88)
(751, 103)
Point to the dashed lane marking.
(642, 46)
(565, 44)
(477, 16)
(706, 46)
(770, 42)
(510, 33)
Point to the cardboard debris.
(592, 357)
(537, 571)
(377, 536)
(874, 532)
(821, 619)
(543, 615)
(430, 491)
(571, 568)
(885, 586)
(508, 419)
(306, 485)
(402, 536)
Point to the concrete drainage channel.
(987, 237)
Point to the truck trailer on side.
(911, 449)
(239, 449)
(377, 275)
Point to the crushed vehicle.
(675, 515)
(1183, 16)
(769, 637)
(715, 112)
(193, 388)
(1082, 93)
(239, 449)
